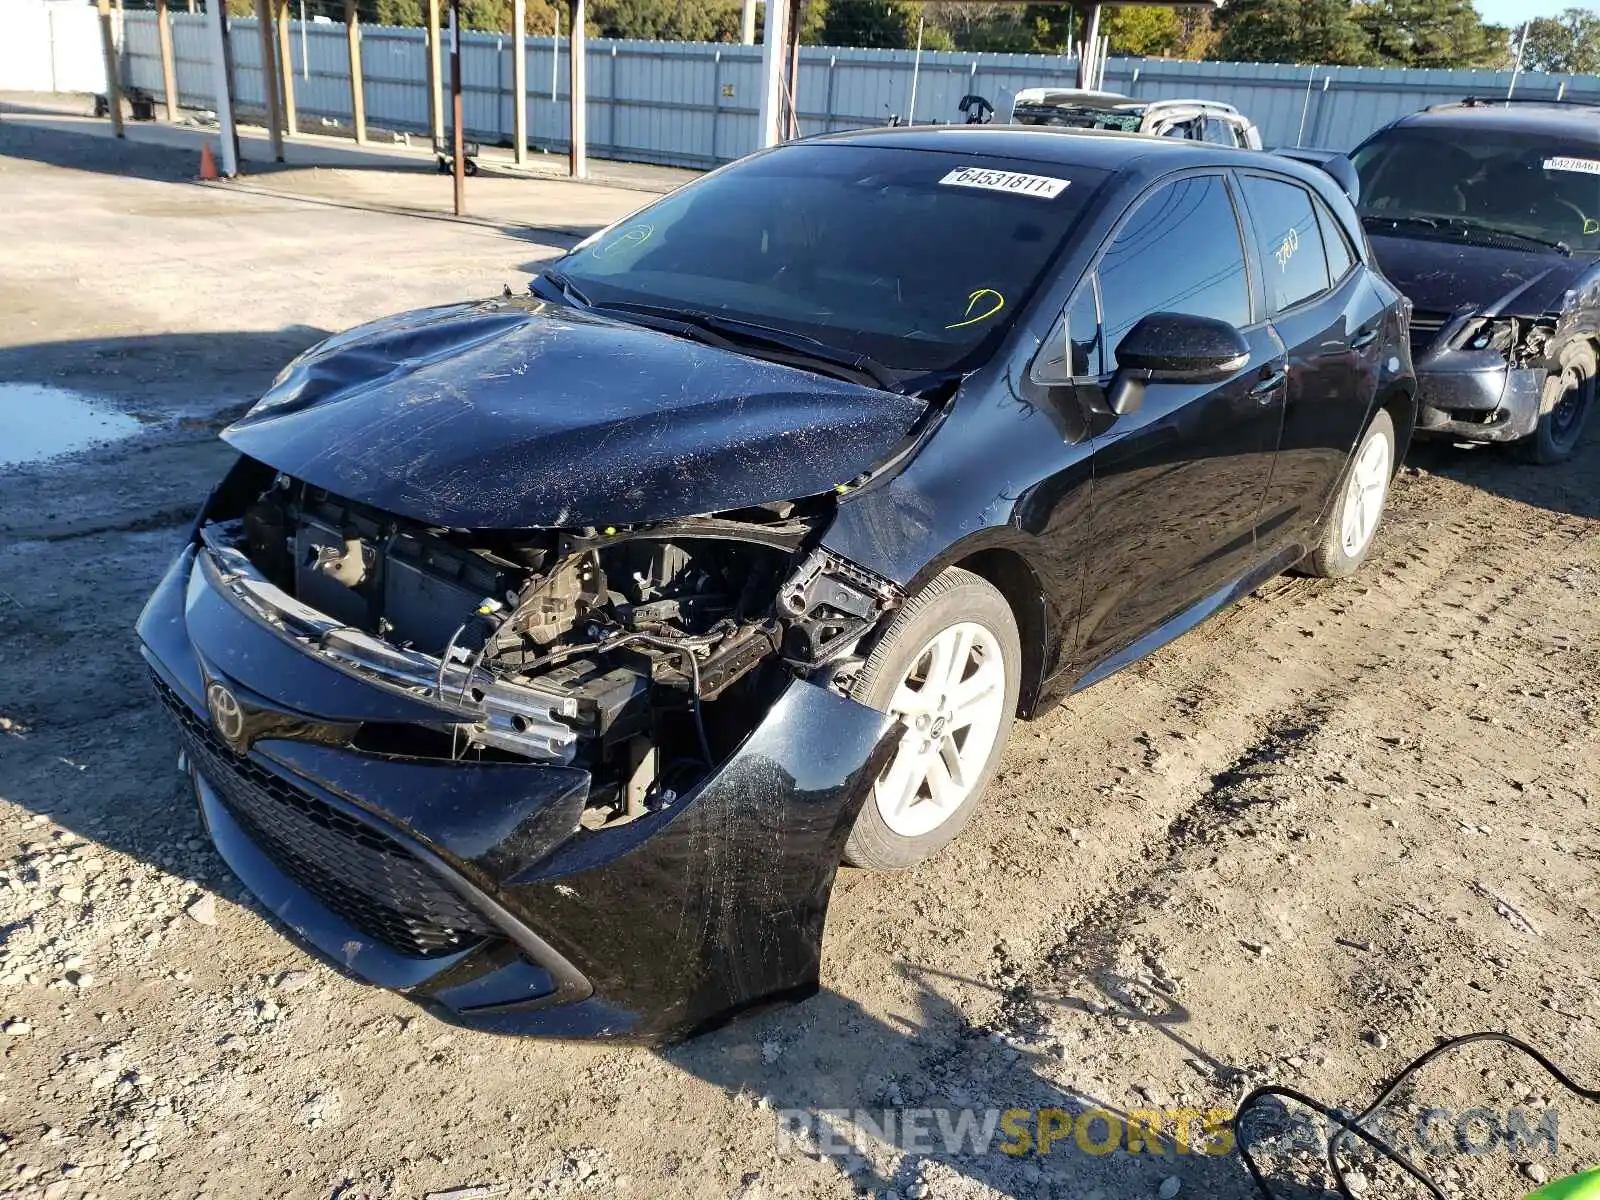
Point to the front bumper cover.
(1476, 396)
(470, 886)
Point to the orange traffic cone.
(208, 162)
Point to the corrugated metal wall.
(692, 104)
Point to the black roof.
(1104, 149)
(1551, 118)
(1109, 150)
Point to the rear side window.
(1334, 242)
(1179, 252)
(1288, 240)
(1220, 133)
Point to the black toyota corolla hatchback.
(1486, 214)
(543, 657)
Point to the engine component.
(554, 603)
(637, 653)
(833, 603)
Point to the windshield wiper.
(798, 346)
(1380, 218)
(1468, 226)
(1465, 227)
(729, 333)
(569, 291)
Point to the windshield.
(1490, 186)
(916, 259)
(1077, 116)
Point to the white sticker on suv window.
(1583, 166)
(1006, 181)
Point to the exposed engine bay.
(643, 654)
(1526, 342)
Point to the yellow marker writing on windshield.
(995, 303)
(636, 236)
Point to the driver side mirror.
(1174, 348)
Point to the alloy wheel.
(949, 706)
(1364, 496)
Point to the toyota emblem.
(226, 715)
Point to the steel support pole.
(792, 84)
(169, 75)
(519, 80)
(774, 43)
(108, 49)
(458, 165)
(358, 89)
(747, 23)
(578, 94)
(1091, 49)
(222, 85)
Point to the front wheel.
(947, 672)
(1347, 534)
(1564, 407)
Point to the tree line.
(1376, 33)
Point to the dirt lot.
(1332, 825)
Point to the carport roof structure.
(779, 63)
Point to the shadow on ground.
(69, 150)
(943, 1100)
(1570, 487)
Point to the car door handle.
(1270, 383)
(1362, 340)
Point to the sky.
(1514, 12)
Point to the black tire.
(955, 597)
(470, 167)
(1564, 407)
(1332, 558)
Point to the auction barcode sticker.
(1006, 181)
(1583, 166)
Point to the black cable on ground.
(1355, 1125)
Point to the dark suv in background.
(1487, 215)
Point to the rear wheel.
(1564, 407)
(1353, 521)
(947, 673)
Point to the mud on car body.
(1487, 216)
(543, 657)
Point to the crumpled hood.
(1443, 277)
(520, 414)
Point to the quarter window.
(1083, 333)
(1179, 252)
(1340, 257)
(1288, 240)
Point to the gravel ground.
(1300, 845)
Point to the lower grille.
(1425, 327)
(354, 869)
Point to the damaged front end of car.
(581, 782)
(561, 778)
(1481, 376)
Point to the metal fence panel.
(695, 104)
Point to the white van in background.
(1196, 120)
